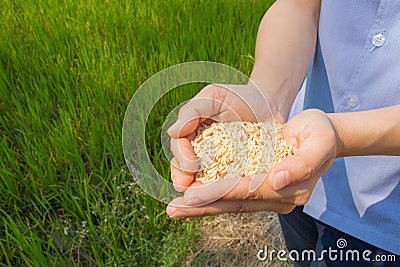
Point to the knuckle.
(212, 87)
(309, 168)
(254, 195)
(203, 212)
(286, 209)
(174, 163)
(184, 108)
(240, 206)
(302, 199)
(189, 166)
(218, 92)
(172, 145)
(298, 200)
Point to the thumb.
(306, 162)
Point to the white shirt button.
(353, 101)
(378, 40)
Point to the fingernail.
(178, 214)
(281, 179)
(170, 211)
(179, 188)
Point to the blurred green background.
(67, 72)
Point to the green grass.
(67, 72)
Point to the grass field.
(67, 72)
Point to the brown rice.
(238, 149)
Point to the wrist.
(337, 127)
(279, 94)
(371, 132)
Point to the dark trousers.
(313, 243)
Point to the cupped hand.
(288, 184)
(213, 103)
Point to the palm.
(314, 141)
(217, 103)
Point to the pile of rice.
(238, 149)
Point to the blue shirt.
(356, 67)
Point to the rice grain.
(238, 149)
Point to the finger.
(180, 179)
(184, 156)
(191, 114)
(308, 159)
(208, 103)
(178, 209)
(299, 193)
(256, 181)
(230, 189)
(209, 192)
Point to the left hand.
(288, 184)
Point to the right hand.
(215, 103)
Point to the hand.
(216, 103)
(289, 184)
